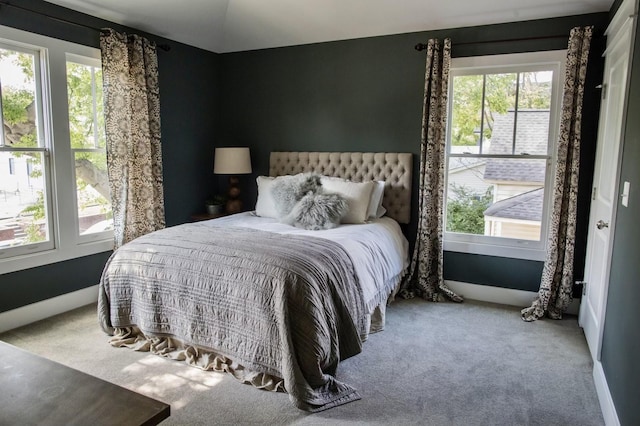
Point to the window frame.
(43, 146)
(93, 62)
(508, 63)
(65, 241)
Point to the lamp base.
(234, 204)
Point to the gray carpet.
(435, 364)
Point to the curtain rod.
(164, 47)
(422, 46)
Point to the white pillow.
(265, 205)
(375, 210)
(357, 194)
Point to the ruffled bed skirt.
(205, 359)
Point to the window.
(54, 197)
(86, 131)
(25, 215)
(503, 124)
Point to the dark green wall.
(45, 282)
(366, 95)
(189, 102)
(621, 340)
(360, 95)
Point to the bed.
(277, 306)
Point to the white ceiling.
(236, 25)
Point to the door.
(605, 187)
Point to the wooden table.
(38, 391)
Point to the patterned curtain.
(425, 276)
(132, 121)
(556, 285)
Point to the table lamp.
(232, 161)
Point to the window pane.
(101, 136)
(19, 112)
(466, 113)
(86, 128)
(94, 206)
(499, 112)
(86, 118)
(468, 195)
(496, 196)
(534, 103)
(23, 209)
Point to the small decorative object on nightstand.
(215, 205)
(232, 161)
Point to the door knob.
(602, 224)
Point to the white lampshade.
(231, 161)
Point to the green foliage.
(14, 105)
(85, 126)
(216, 200)
(37, 209)
(465, 210)
(25, 61)
(468, 110)
(467, 98)
(34, 233)
(37, 212)
(18, 102)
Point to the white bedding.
(378, 249)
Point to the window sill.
(513, 252)
(33, 260)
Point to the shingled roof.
(532, 138)
(526, 206)
(464, 163)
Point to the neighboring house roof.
(532, 138)
(457, 164)
(526, 206)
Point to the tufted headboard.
(393, 168)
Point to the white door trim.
(592, 318)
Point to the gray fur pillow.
(288, 190)
(317, 211)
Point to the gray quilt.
(283, 305)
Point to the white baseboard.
(47, 308)
(604, 396)
(501, 295)
(57, 305)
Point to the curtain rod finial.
(420, 47)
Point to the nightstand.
(206, 216)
